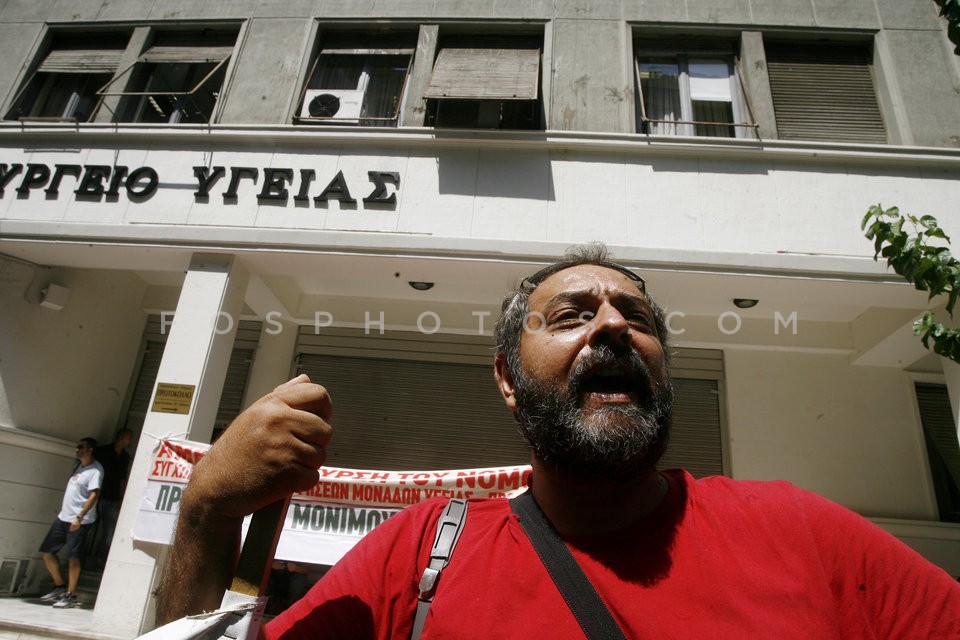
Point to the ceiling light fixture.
(745, 303)
(420, 285)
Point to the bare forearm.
(200, 563)
(88, 505)
(270, 451)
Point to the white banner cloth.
(323, 523)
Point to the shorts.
(60, 536)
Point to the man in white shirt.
(75, 520)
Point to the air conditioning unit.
(13, 571)
(336, 105)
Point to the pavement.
(30, 619)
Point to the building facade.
(207, 198)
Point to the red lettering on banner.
(468, 478)
(170, 469)
(374, 494)
(331, 490)
(449, 493)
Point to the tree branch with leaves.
(950, 9)
(918, 249)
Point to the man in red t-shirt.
(582, 363)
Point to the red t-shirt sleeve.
(880, 583)
(372, 592)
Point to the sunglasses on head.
(531, 282)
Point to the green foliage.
(929, 267)
(950, 9)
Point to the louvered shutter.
(824, 92)
(406, 400)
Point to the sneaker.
(56, 594)
(68, 601)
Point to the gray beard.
(612, 442)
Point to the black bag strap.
(590, 611)
(449, 527)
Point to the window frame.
(743, 122)
(145, 68)
(69, 65)
(791, 64)
(510, 112)
(363, 80)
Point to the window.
(824, 91)
(358, 80)
(940, 434)
(65, 83)
(177, 80)
(690, 93)
(485, 82)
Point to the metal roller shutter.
(405, 400)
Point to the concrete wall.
(33, 474)
(589, 68)
(64, 373)
(705, 200)
(267, 77)
(850, 434)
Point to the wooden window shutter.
(485, 74)
(81, 61)
(824, 92)
(175, 54)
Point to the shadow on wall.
(484, 173)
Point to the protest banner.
(324, 522)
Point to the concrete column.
(753, 66)
(196, 354)
(415, 106)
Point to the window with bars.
(824, 91)
(176, 80)
(65, 83)
(358, 79)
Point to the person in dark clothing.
(115, 461)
